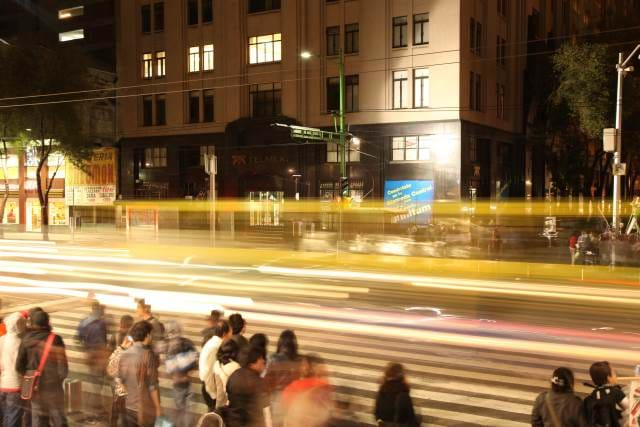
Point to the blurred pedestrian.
(158, 331)
(559, 406)
(92, 334)
(11, 405)
(313, 374)
(116, 339)
(573, 241)
(182, 358)
(393, 402)
(495, 242)
(604, 406)
(262, 342)
(139, 373)
(208, 357)
(224, 367)
(3, 326)
(238, 328)
(248, 394)
(283, 369)
(119, 392)
(47, 402)
(212, 321)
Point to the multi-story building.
(434, 90)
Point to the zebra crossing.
(450, 386)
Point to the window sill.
(158, 31)
(421, 45)
(265, 63)
(399, 47)
(352, 53)
(263, 12)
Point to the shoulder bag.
(30, 379)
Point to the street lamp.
(344, 179)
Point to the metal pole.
(617, 153)
(342, 120)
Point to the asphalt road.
(478, 350)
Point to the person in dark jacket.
(158, 331)
(92, 334)
(47, 404)
(126, 322)
(182, 358)
(212, 322)
(238, 328)
(248, 394)
(559, 403)
(393, 402)
(283, 369)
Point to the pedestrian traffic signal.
(344, 186)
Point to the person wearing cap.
(47, 404)
(560, 405)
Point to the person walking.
(139, 373)
(11, 405)
(212, 321)
(158, 330)
(573, 242)
(248, 394)
(117, 338)
(393, 402)
(208, 357)
(92, 334)
(559, 406)
(47, 402)
(182, 358)
(283, 369)
(224, 367)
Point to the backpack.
(601, 406)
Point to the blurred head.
(222, 330)
(313, 366)
(15, 323)
(40, 320)
(260, 341)
(214, 317)
(394, 372)
(126, 322)
(288, 344)
(602, 373)
(143, 309)
(254, 360)
(310, 408)
(237, 323)
(173, 329)
(97, 309)
(227, 352)
(141, 332)
(31, 313)
(562, 380)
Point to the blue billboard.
(414, 197)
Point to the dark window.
(400, 31)
(421, 29)
(158, 17)
(475, 37)
(351, 38)
(479, 38)
(479, 104)
(161, 110)
(145, 18)
(192, 12)
(333, 40)
(266, 100)
(147, 111)
(502, 7)
(155, 157)
(500, 96)
(207, 10)
(475, 92)
(263, 5)
(208, 105)
(194, 107)
(351, 94)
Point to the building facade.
(434, 90)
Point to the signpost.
(211, 168)
(414, 197)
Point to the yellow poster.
(96, 184)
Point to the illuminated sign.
(415, 197)
(96, 184)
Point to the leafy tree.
(47, 86)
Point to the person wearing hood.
(11, 406)
(182, 358)
(47, 404)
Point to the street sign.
(620, 169)
(609, 140)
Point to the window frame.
(267, 6)
(161, 100)
(423, 23)
(158, 16)
(333, 151)
(208, 57)
(403, 30)
(194, 115)
(258, 47)
(352, 38)
(192, 12)
(147, 110)
(264, 94)
(194, 64)
(145, 19)
(423, 81)
(155, 158)
(147, 65)
(420, 150)
(206, 6)
(333, 40)
(208, 108)
(161, 64)
(402, 89)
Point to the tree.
(47, 87)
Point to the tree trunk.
(42, 194)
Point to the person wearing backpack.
(560, 406)
(394, 407)
(47, 398)
(604, 406)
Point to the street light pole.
(344, 178)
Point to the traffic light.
(344, 186)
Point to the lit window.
(421, 87)
(333, 153)
(265, 49)
(147, 65)
(411, 148)
(71, 12)
(155, 157)
(161, 64)
(208, 57)
(68, 36)
(194, 59)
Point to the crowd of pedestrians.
(241, 382)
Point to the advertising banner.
(96, 184)
(415, 197)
